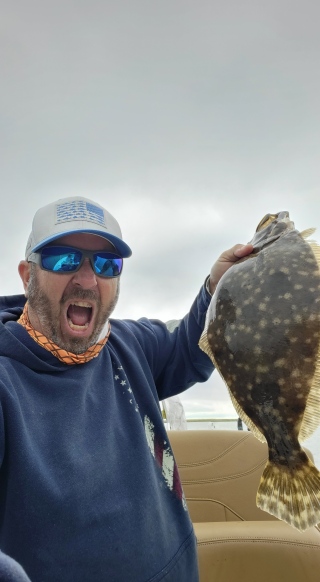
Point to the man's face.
(71, 309)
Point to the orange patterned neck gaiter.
(62, 355)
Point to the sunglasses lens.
(60, 260)
(106, 265)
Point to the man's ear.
(24, 269)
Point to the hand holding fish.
(225, 261)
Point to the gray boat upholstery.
(220, 473)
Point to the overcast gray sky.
(188, 120)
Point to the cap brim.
(121, 247)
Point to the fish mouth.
(79, 316)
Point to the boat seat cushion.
(220, 473)
(267, 551)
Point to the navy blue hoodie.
(89, 488)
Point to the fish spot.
(263, 323)
(257, 290)
(295, 373)
(287, 296)
(238, 311)
(262, 307)
(313, 317)
(257, 336)
(297, 286)
(276, 321)
(280, 363)
(262, 369)
(276, 414)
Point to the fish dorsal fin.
(311, 417)
(248, 422)
(205, 346)
(308, 232)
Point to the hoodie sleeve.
(173, 352)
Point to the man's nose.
(85, 276)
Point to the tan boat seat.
(220, 473)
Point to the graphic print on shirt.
(159, 448)
(123, 382)
(164, 458)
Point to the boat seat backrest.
(220, 473)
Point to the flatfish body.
(263, 334)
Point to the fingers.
(225, 261)
(242, 250)
(236, 252)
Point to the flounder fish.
(262, 332)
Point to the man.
(89, 487)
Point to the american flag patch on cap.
(80, 210)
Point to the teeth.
(81, 304)
(77, 327)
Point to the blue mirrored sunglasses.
(69, 260)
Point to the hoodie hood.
(16, 343)
(11, 307)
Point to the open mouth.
(79, 315)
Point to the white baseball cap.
(74, 215)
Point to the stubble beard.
(49, 315)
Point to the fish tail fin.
(292, 495)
